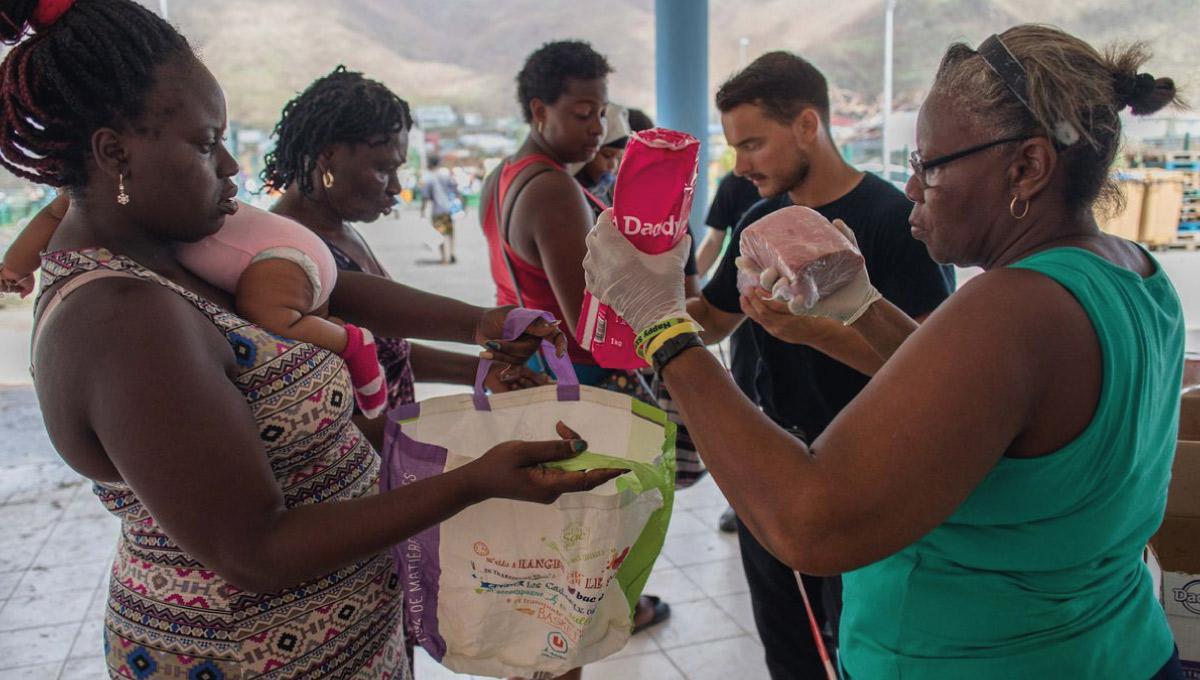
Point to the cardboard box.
(1191, 370)
(1126, 224)
(1161, 208)
(1183, 497)
(1189, 415)
(1176, 550)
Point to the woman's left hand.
(506, 378)
(490, 330)
(846, 304)
(777, 319)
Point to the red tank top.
(536, 290)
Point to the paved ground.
(56, 540)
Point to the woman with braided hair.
(253, 536)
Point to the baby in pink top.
(280, 274)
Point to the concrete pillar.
(681, 83)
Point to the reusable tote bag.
(514, 588)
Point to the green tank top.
(1038, 574)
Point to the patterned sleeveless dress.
(169, 617)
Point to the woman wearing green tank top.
(988, 495)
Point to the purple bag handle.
(517, 321)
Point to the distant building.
(436, 116)
(489, 143)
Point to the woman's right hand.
(644, 289)
(516, 470)
(489, 332)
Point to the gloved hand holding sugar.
(797, 255)
(651, 202)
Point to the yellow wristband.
(643, 338)
(659, 340)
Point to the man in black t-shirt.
(775, 114)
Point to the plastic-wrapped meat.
(813, 258)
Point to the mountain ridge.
(466, 52)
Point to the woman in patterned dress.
(338, 147)
(253, 536)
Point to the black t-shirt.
(734, 197)
(799, 387)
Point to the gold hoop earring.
(327, 179)
(122, 197)
(540, 126)
(1012, 209)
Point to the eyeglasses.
(921, 166)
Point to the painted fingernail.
(492, 344)
(579, 446)
(486, 355)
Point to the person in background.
(254, 540)
(535, 215)
(599, 175)
(775, 114)
(440, 194)
(639, 120)
(339, 146)
(735, 196)
(989, 495)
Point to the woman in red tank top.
(535, 214)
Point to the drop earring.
(122, 197)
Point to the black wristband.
(673, 348)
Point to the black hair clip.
(1010, 72)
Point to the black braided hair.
(92, 68)
(548, 69)
(342, 107)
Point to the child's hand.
(14, 282)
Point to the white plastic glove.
(846, 304)
(642, 288)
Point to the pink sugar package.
(651, 202)
(813, 258)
